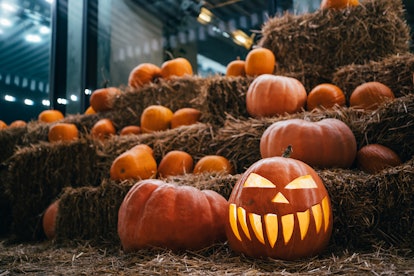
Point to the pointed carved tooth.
(241, 215)
(271, 228)
(318, 216)
(233, 220)
(326, 212)
(304, 221)
(288, 224)
(256, 223)
(280, 198)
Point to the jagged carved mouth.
(272, 224)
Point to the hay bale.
(38, 173)
(395, 71)
(91, 213)
(333, 38)
(372, 209)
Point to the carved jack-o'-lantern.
(279, 208)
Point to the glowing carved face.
(279, 209)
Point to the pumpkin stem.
(288, 151)
(169, 54)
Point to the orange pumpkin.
(325, 95)
(103, 99)
(260, 61)
(126, 130)
(156, 118)
(157, 214)
(370, 95)
(90, 110)
(338, 4)
(18, 123)
(271, 95)
(103, 129)
(373, 158)
(213, 163)
(236, 68)
(185, 116)
(279, 208)
(176, 67)
(327, 143)
(63, 132)
(143, 74)
(135, 163)
(50, 115)
(49, 220)
(175, 162)
(3, 125)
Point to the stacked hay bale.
(313, 46)
(321, 47)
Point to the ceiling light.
(242, 39)
(44, 30)
(8, 7)
(49, 1)
(10, 98)
(33, 38)
(88, 91)
(205, 16)
(46, 102)
(28, 102)
(74, 97)
(62, 101)
(5, 22)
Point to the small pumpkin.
(175, 162)
(185, 116)
(49, 220)
(271, 95)
(89, 111)
(260, 61)
(325, 95)
(3, 124)
(236, 68)
(279, 208)
(50, 115)
(213, 163)
(176, 67)
(135, 163)
(63, 132)
(103, 99)
(131, 129)
(338, 4)
(103, 129)
(373, 158)
(326, 143)
(18, 123)
(156, 118)
(142, 74)
(159, 214)
(370, 95)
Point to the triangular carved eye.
(255, 180)
(302, 182)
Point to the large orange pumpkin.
(143, 74)
(338, 4)
(156, 118)
(135, 163)
(158, 214)
(176, 67)
(63, 132)
(260, 61)
(103, 99)
(327, 143)
(373, 158)
(325, 95)
(370, 95)
(279, 208)
(270, 95)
